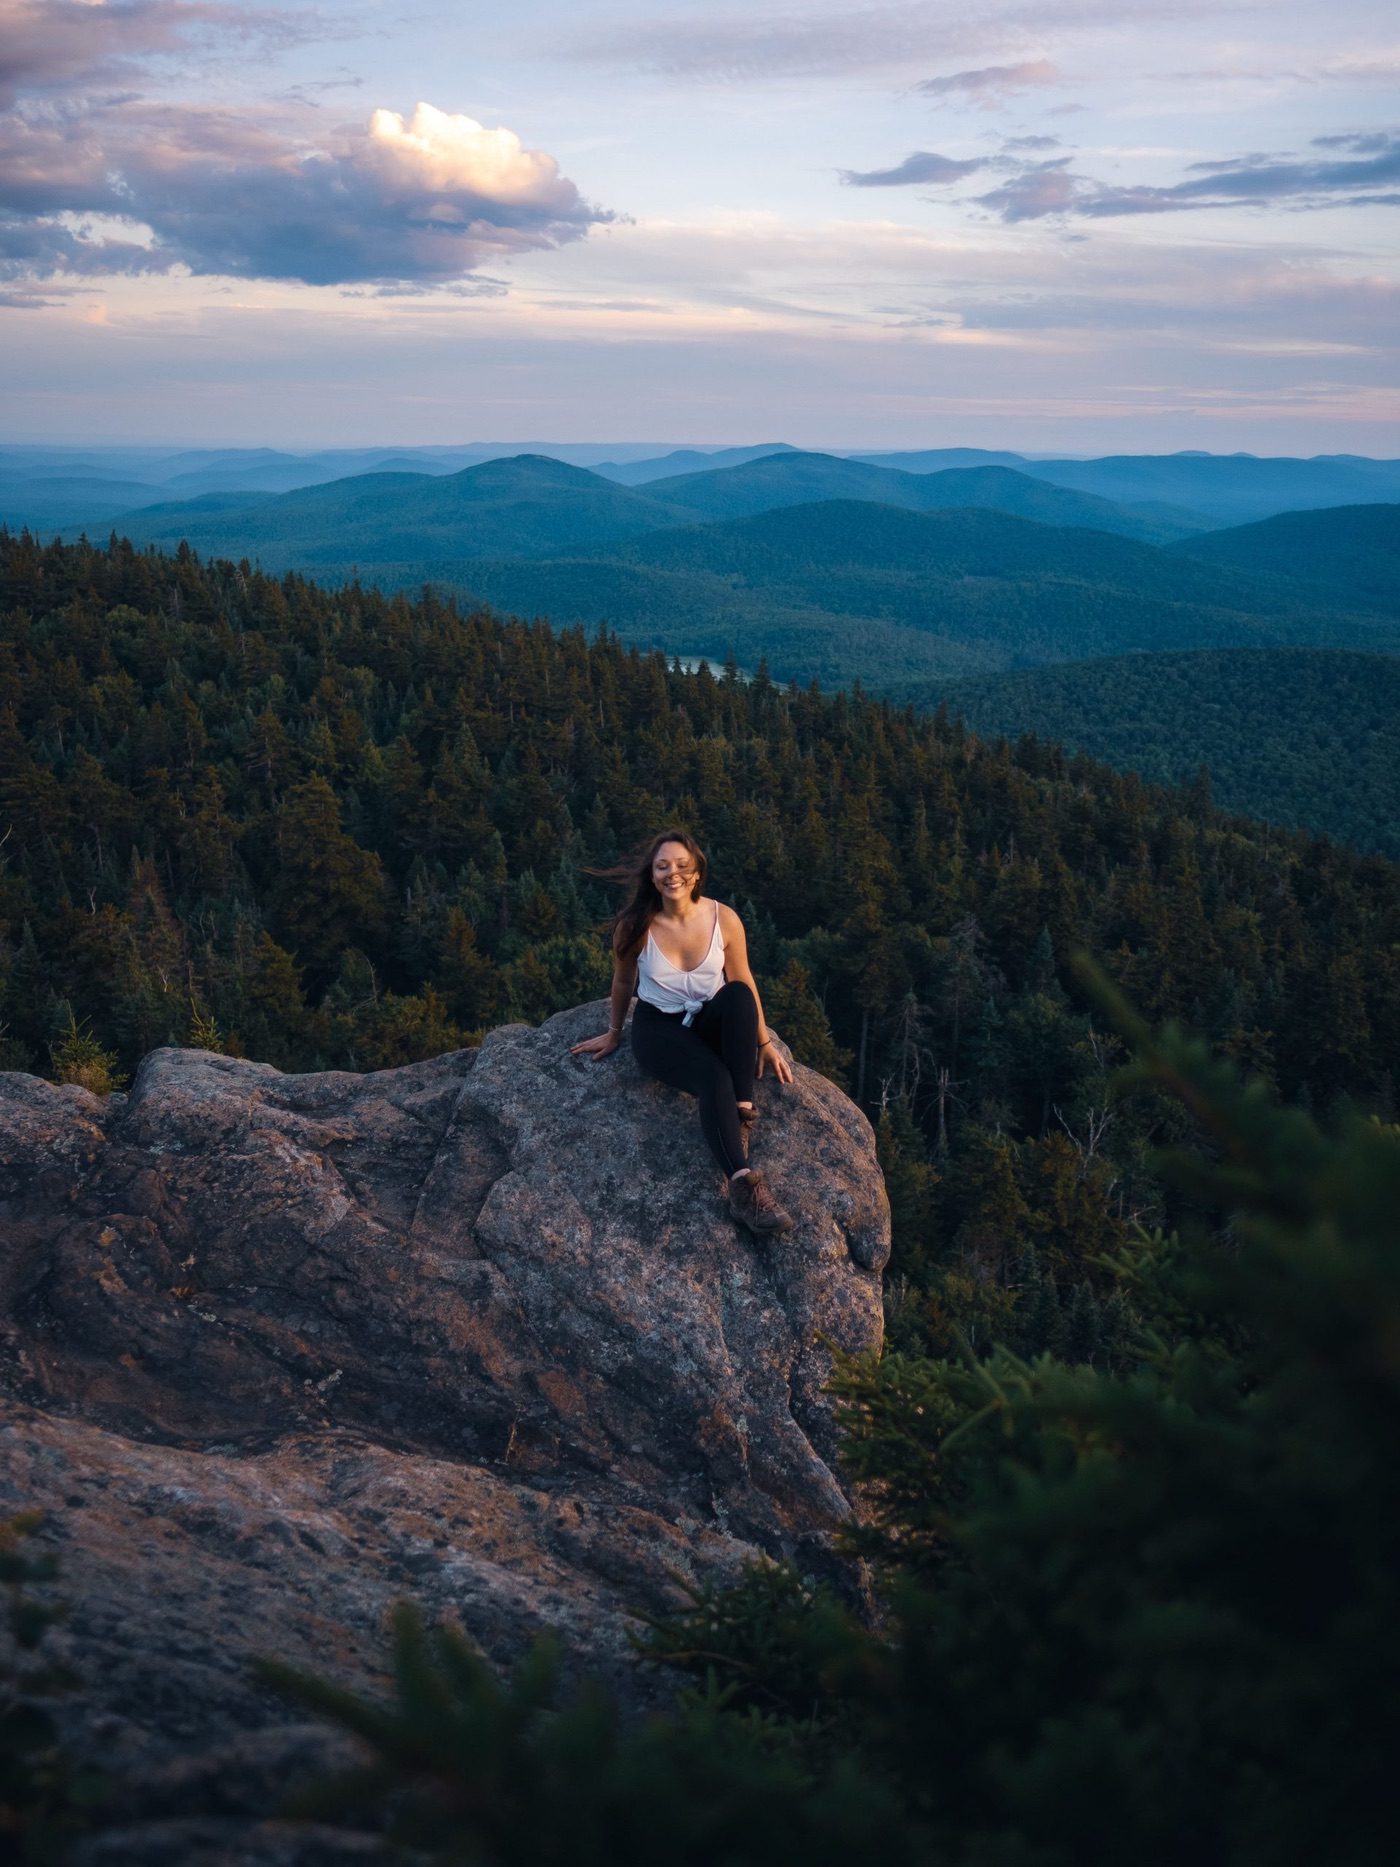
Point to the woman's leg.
(729, 1024)
(666, 1049)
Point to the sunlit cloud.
(423, 201)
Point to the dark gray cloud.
(989, 83)
(424, 202)
(1375, 159)
(1365, 174)
(922, 166)
(1362, 143)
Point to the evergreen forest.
(347, 830)
(1129, 1059)
(1308, 737)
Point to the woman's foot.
(747, 1113)
(751, 1203)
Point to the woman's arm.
(736, 967)
(624, 983)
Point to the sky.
(1069, 226)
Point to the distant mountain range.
(1305, 737)
(685, 460)
(1230, 489)
(41, 486)
(523, 507)
(51, 488)
(828, 566)
(794, 479)
(533, 506)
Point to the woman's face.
(673, 870)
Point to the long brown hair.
(644, 903)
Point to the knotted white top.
(668, 988)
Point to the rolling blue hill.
(793, 479)
(1350, 554)
(1230, 489)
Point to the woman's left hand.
(771, 1058)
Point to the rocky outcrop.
(279, 1349)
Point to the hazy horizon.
(620, 450)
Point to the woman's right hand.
(597, 1046)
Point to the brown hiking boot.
(749, 1114)
(753, 1205)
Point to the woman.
(698, 1024)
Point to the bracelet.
(614, 1030)
(765, 1044)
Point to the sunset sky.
(1071, 225)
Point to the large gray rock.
(280, 1349)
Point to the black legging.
(713, 1057)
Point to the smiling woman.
(698, 1025)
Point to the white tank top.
(665, 986)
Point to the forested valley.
(1307, 737)
(342, 830)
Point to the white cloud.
(449, 155)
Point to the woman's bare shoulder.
(729, 921)
(631, 951)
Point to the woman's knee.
(737, 999)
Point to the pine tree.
(794, 1011)
(327, 892)
(911, 1182)
(78, 1057)
(1083, 1332)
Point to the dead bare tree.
(1099, 1121)
(945, 1092)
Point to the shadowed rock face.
(279, 1349)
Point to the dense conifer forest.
(1128, 1444)
(1307, 737)
(344, 830)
